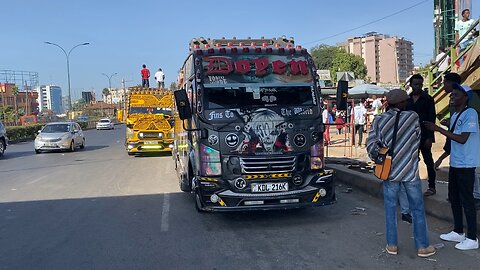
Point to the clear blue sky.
(126, 34)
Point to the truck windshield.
(150, 110)
(240, 97)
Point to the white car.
(104, 123)
(59, 136)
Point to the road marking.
(165, 211)
(38, 179)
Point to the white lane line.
(165, 211)
(38, 179)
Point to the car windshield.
(237, 97)
(56, 128)
(104, 121)
(150, 110)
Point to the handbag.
(383, 164)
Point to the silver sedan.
(59, 136)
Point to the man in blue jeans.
(404, 171)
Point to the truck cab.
(248, 126)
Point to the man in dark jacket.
(424, 105)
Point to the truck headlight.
(210, 164)
(160, 135)
(140, 135)
(316, 156)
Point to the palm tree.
(105, 92)
(15, 94)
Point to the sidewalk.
(356, 171)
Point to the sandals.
(430, 192)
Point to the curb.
(434, 205)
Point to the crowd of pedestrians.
(415, 135)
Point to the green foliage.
(22, 133)
(323, 55)
(7, 114)
(344, 61)
(337, 59)
(83, 125)
(106, 92)
(173, 86)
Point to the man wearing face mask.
(424, 105)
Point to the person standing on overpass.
(145, 76)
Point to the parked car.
(59, 136)
(104, 123)
(3, 139)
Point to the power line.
(372, 22)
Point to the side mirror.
(183, 104)
(39, 131)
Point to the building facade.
(50, 98)
(388, 59)
(116, 96)
(24, 101)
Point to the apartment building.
(389, 59)
(50, 98)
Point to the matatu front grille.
(280, 164)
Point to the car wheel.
(82, 146)
(72, 146)
(37, 151)
(2, 147)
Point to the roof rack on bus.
(202, 43)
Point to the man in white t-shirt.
(464, 134)
(360, 115)
(442, 63)
(376, 105)
(160, 77)
(461, 27)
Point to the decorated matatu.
(149, 119)
(248, 129)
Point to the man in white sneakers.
(464, 134)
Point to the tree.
(344, 61)
(337, 59)
(15, 94)
(173, 86)
(323, 55)
(105, 93)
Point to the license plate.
(150, 142)
(49, 144)
(270, 187)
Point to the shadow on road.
(17, 154)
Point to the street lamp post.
(67, 55)
(109, 83)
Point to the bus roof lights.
(277, 45)
(230, 44)
(218, 45)
(207, 46)
(197, 46)
(289, 46)
(264, 44)
(241, 44)
(253, 44)
(299, 47)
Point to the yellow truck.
(149, 119)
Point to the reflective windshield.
(104, 121)
(56, 128)
(239, 97)
(150, 110)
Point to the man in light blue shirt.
(464, 134)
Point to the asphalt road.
(101, 209)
